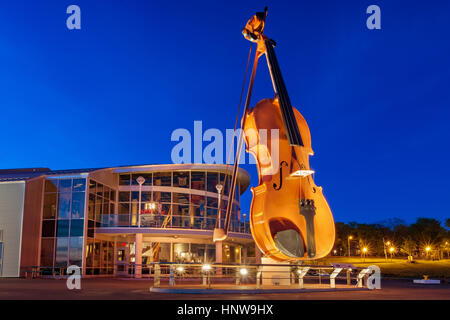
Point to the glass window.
(181, 217)
(48, 228)
(124, 196)
(212, 179)
(76, 251)
(77, 228)
(197, 200)
(51, 185)
(124, 179)
(198, 180)
(162, 179)
(224, 204)
(47, 252)
(106, 192)
(50, 205)
(146, 196)
(135, 195)
(124, 208)
(165, 209)
(92, 186)
(98, 208)
(146, 176)
(212, 202)
(91, 206)
(181, 179)
(161, 196)
(180, 198)
(106, 207)
(113, 195)
(65, 185)
(78, 199)
(225, 181)
(99, 190)
(79, 184)
(63, 228)
(62, 248)
(211, 212)
(64, 205)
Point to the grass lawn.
(398, 267)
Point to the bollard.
(157, 276)
(258, 277)
(301, 275)
(171, 277)
(361, 276)
(349, 279)
(333, 276)
(204, 276)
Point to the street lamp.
(348, 244)
(140, 180)
(391, 251)
(385, 245)
(364, 253)
(427, 249)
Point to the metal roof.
(29, 173)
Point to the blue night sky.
(377, 101)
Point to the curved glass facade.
(94, 219)
(170, 199)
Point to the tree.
(408, 246)
(427, 230)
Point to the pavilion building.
(116, 221)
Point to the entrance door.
(123, 261)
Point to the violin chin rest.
(290, 243)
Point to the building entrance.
(123, 261)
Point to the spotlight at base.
(243, 272)
(206, 267)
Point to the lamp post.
(140, 180)
(348, 244)
(385, 249)
(364, 253)
(244, 215)
(219, 188)
(391, 251)
(427, 249)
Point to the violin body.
(289, 216)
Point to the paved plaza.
(104, 288)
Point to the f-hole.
(285, 164)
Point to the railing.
(258, 275)
(176, 221)
(300, 276)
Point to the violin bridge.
(302, 173)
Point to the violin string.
(234, 130)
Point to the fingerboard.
(290, 123)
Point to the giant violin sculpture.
(290, 218)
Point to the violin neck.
(290, 123)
